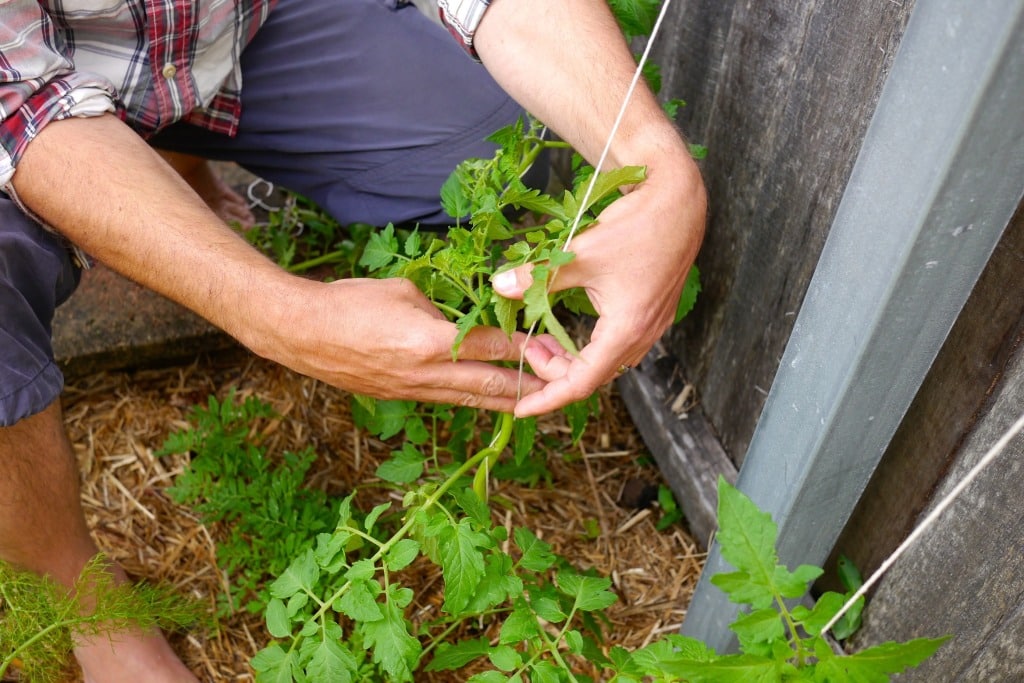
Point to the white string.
(597, 169)
(948, 500)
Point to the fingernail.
(505, 280)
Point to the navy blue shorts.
(364, 106)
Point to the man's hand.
(385, 339)
(568, 64)
(99, 184)
(633, 264)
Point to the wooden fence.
(783, 94)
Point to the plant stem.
(504, 432)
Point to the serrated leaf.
(373, 515)
(301, 575)
(590, 593)
(465, 324)
(381, 249)
(545, 672)
(273, 665)
(876, 663)
(794, 584)
(504, 658)
(635, 17)
(361, 570)
(747, 539)
(520, 625)
(660, 654)
(453, 197)
(276, 615)
(688, 297)
(507, 313)
(574, 640)
(473, 506)
(457, 655)
(330, 661)
(758, 627)
(548, 610)
(404, 466)
(499, 584)
(402, 554)
(488, 677)
(393, 648)
(813, 620)
(359, 602)
(728, 669)
(610, 181)
(537, 555)
(462, 564)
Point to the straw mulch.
(118, 420)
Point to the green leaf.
(674, 647)
(507, 312)
(636, 17)
(278, 623)
(546, 672)
(610, 181)
(747, 539)
(813, 620)
(404, 466)
(688, 297)
(393, 648)
(589, 592)
(464, 324)
(488, 677)
(548, 610)
(520, 625)
(537, 555)
(849, 575)
(457, 655)
(794, 584)
(273, 665)
(453, 197)
(402, 554)
(330, 661)
(728, 669)
(462, 564)
(381, 249)
(301, 575)
(574, 640)
(360, 601)
(499, 584)
(756, 628)
(504, 658)
(876, 663)
(373, 515)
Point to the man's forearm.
(567, 63)
(101, 186)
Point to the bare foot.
(218, 195)
(130, 656)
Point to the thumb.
(512, 283)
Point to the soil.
(117, 420)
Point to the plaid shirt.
(153, 62)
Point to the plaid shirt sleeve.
(462, 18)
(38, 83)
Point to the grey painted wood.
(951, 400)
(935, 184)
(781, 93)
(964, 576)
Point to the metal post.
(939, 174)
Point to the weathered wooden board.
(964, 577)
(684, 445)
(972, 360)
(792, 87)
